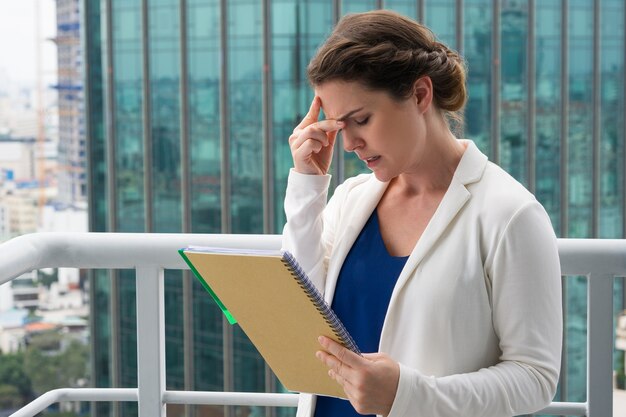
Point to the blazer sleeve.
(527, 317)
(309, 231)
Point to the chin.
(382, 177)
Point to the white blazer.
(475, 318)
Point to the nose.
(351, 142)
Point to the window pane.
(513, 96)
(477, 45)
(441, 19)
(548, 108)
(293, 44)
(127, 79)
(357, 6)
(245, 61)
(163, 17)
(203, 89)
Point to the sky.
(18, 47)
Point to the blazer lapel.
(359, 210)
(469, 170)
(455, 198)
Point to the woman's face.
(386, 134)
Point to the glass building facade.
(190, 104)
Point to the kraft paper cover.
(275, 313)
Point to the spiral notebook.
(269, 295)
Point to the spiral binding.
(318, 301)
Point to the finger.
(321, 128)
(375, 356)
(331, 138)
(338, 378)
(313, 114)
(324, 132)
(297, 140)
(326, 125)
(346, 356)
(306, 150)
(329, 360)
(338, 371)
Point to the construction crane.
(41, 130)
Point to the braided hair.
(383, 50)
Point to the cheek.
(405, 134)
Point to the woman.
(438, 262)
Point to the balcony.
(150, 254)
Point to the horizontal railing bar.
(568, 409)
(212, 398)
(112, 250)
(231, 398)
(75, 394)
(131, 250)
(169, 397)
(600, 256)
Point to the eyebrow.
(350, 113)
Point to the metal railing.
(150, 254)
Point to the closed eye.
(362, 121)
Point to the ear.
(423, 92)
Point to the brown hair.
(384, 50)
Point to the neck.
(436, 164)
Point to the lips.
(372, 161)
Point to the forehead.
(341, 97)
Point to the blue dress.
(361, 298)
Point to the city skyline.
(179, 143)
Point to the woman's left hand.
(370, 381)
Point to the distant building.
(17, 160)
(18, 116)
(26, 292)
(18, 212)
(34, 308)
(71, 169)
(12, 329)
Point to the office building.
(190, 104)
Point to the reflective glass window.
(127, 81)
(203, 94)
(580, 158)
(612, 123)
(245, 62)
(477, 49)
(245, 97)
(405, 7)
(580, 170)
(441, 19)
(298, 28)
(513, 89)
(548, 104)
(164, 64)
(357, 6)
(203, 61)
(127, 314)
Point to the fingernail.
(320, 339)
(339, 123)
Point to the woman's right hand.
(312, 142)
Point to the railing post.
(600, 345)
(150, 341)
